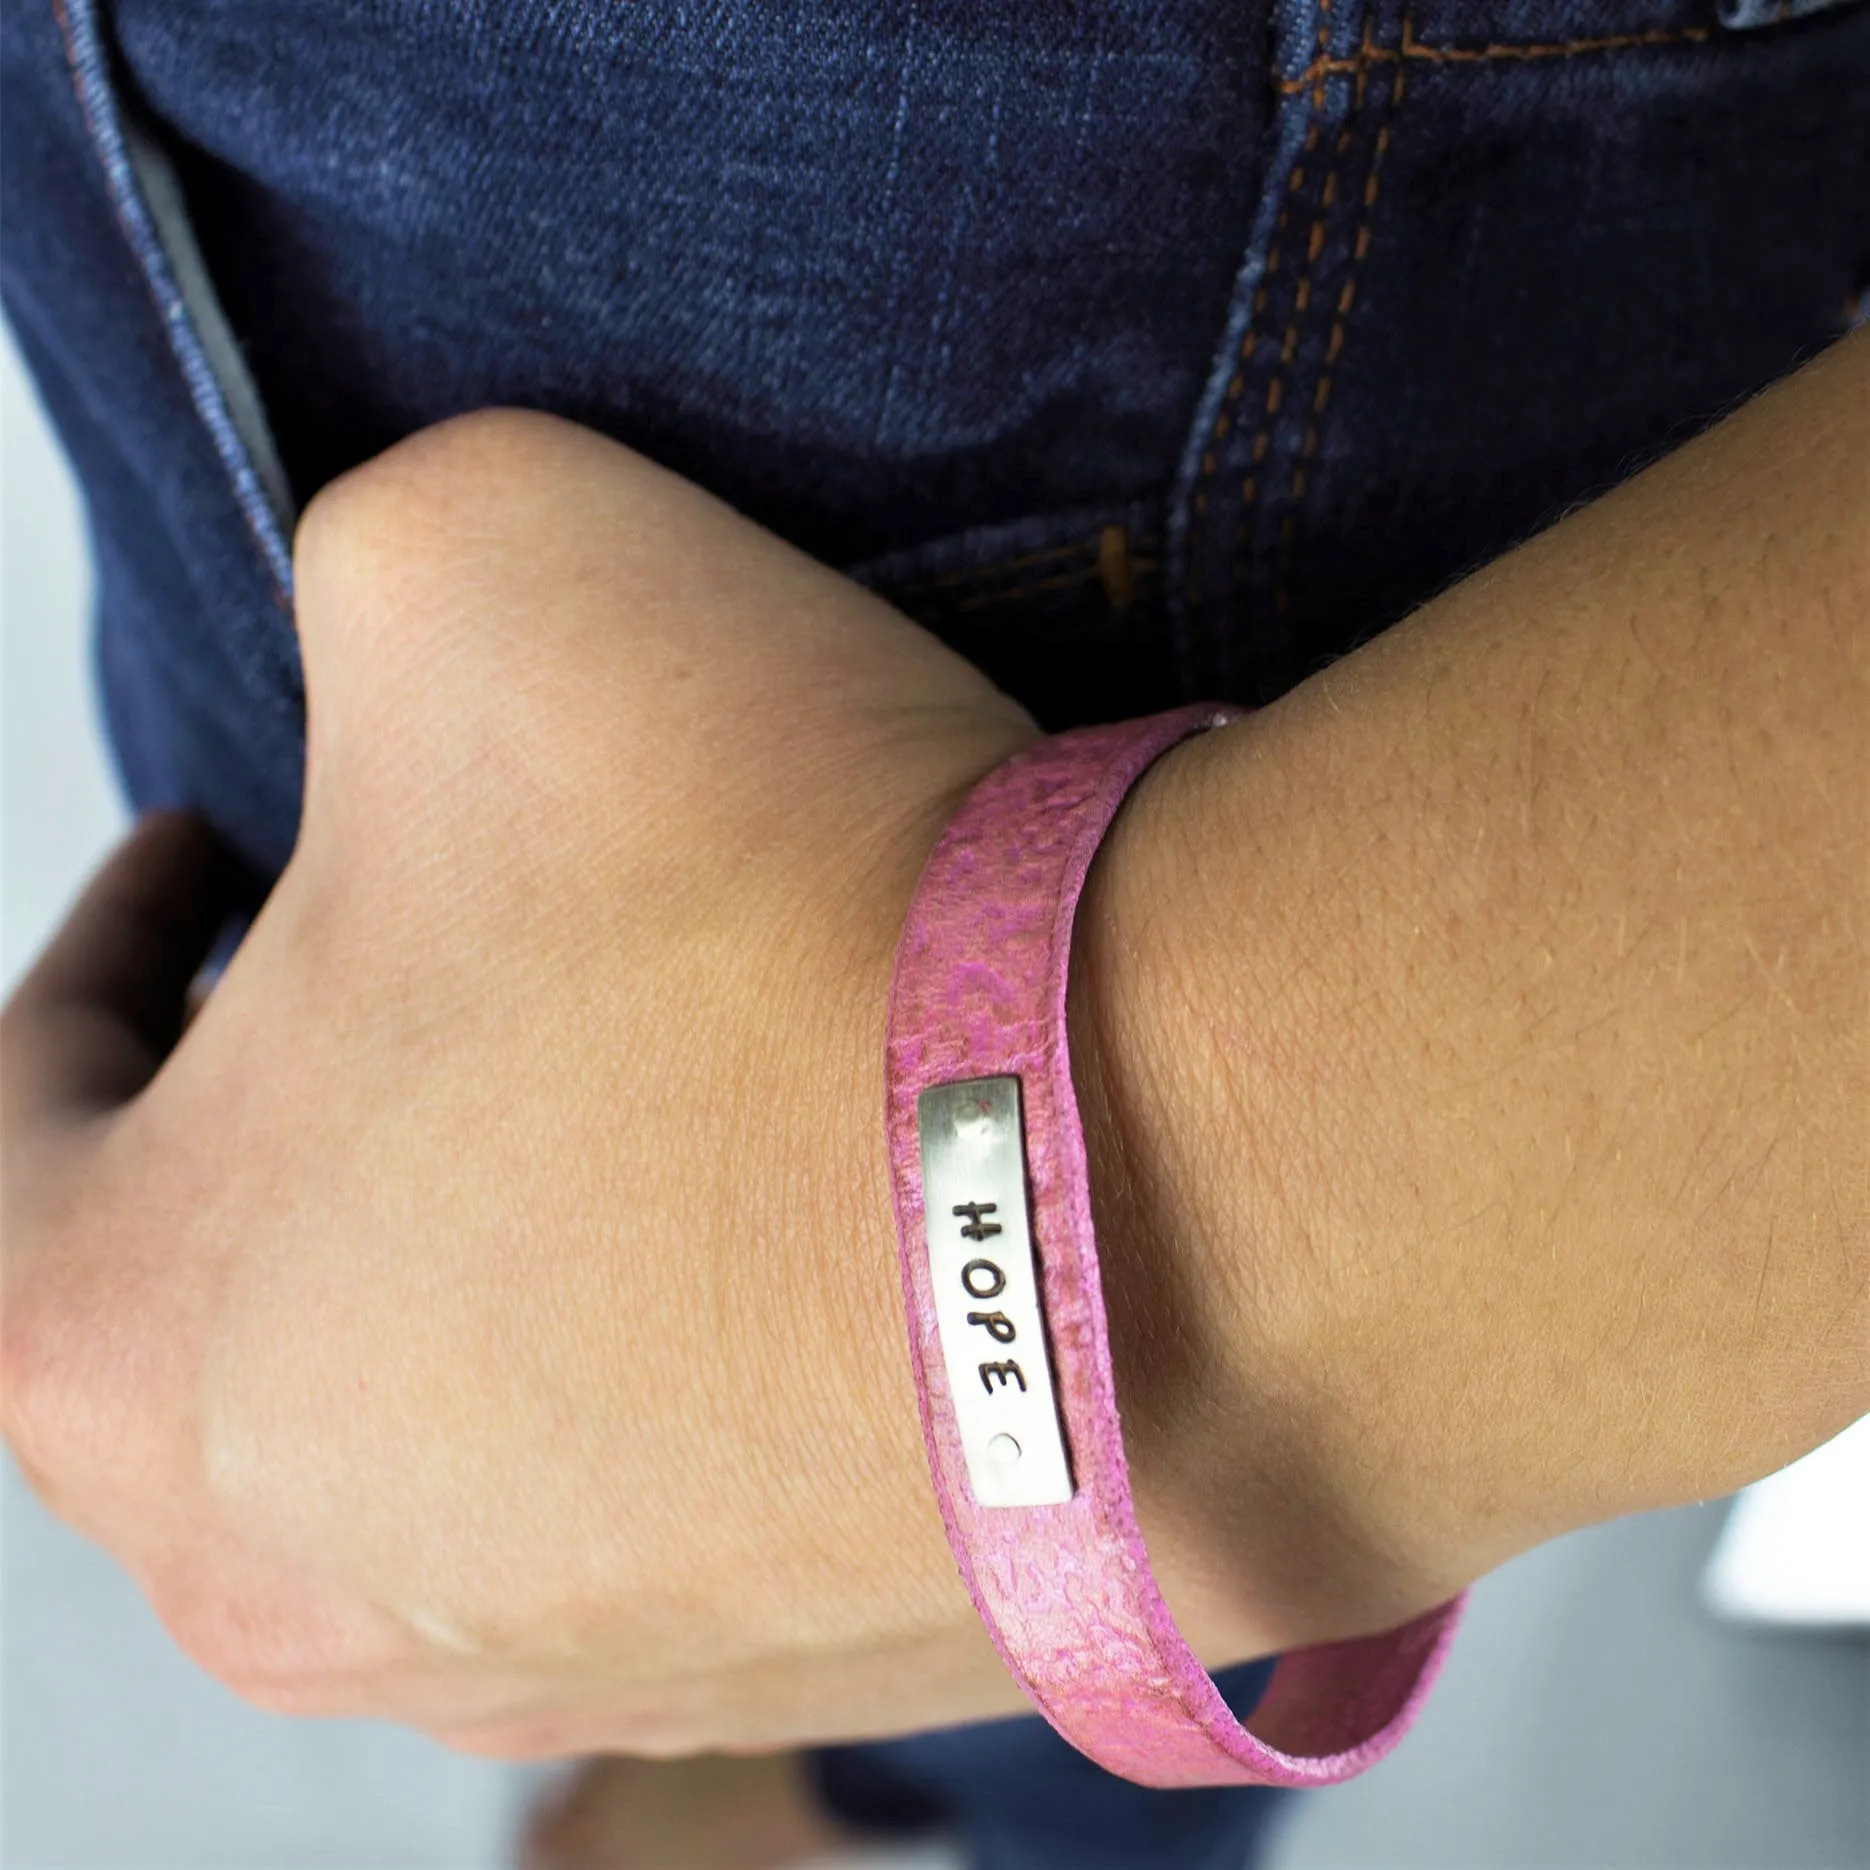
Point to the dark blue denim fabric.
(1746, 15)
(1143, 350)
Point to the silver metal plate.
(987, 1305)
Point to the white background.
(1593, 1714)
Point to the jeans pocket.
(188, 514)
(146, 196)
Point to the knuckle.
(419, 548)
(426, 496)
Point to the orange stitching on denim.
(1301, 300)
(1114, 570)
(1413, 48)
(1249, 339)
(1366, 47)
(1237, 383)
(1347, 297)
(1139, 568)
(993, 568)
(1141, 564)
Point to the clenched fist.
(486, 1315)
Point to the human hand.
(487, 1315)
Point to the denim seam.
(1334, 343)
(1202, 571)
(1275, 388)
(1190, 526)
(1281, 378)
(86, 58)
(1411, 47)
(1249, 342)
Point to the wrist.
(1241, 1407)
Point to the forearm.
(1474, 1051)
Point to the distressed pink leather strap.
(1066, 1590)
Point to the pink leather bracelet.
(1007, 1330)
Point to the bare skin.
(485, 1316)
(1521, 961)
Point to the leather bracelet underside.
(1066, 1590)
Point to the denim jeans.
(1143, 350)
